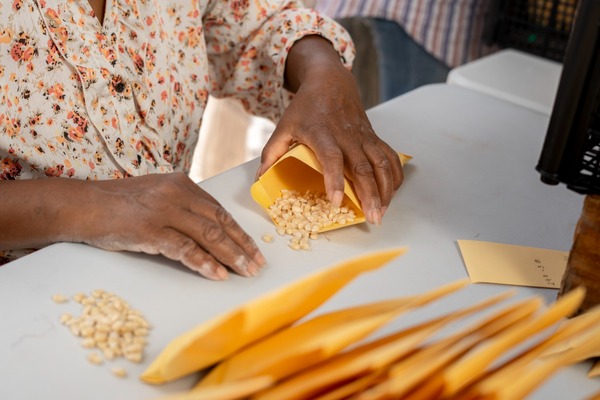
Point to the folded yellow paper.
(296, 348)
(300, 170)
(469, 369)
(300, 346)
(364, 359)
(595, 370)
(350, 389)
(574, 340)
(418, 369)
(235, 391)
(513, 265)
(571, 329)
(307, 360)
(216, 339)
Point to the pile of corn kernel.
(302, 216)
(108, 326)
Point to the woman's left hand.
(327, 115)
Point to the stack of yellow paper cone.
(217, 339)
(273, 349)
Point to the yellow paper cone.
(216, 339)
(239, 390)
(300, 170)
(317, 339)
(469, 369)
(365, 358)
(417, 370)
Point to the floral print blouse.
(125, 97)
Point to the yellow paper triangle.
(366, 358)
(216, 339)
(282, 353)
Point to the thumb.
(275, 148)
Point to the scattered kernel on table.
(119, 372)
(65, 318)
(267, 238)
(79, 297)
(59, 298)
(94, 358)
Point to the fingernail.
(221, 274)
(383, 211)
(376, 216)
(260, 259)
(337, 198)
(242, 264)
(253, 269)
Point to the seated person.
(101, 106)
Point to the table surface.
(472, 177)
(520, 78)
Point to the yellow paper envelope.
(575, 330)
(238, 390)
(471, 368)
(346, 367)
(294, 350)
(513, 265)
(317, 339)
(568, 338)
(216, 339)
(595, 370)
(300, 170)
(365, 359)
(351, 388)
(418, 369)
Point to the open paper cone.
(300, 170)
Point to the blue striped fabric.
(450, 30)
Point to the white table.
(472, 177)
(515, 76)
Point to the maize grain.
(108, 324)
(303, 216)
(65, 318)
(59, 298)
(94, 358)
(267, 238)
(119, 372)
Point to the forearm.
(164, 214)
(39, 212)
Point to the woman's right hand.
(164, 214)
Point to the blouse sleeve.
(248, 43)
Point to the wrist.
(313, 59)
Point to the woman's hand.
(327, 115)
(156, 214)
(172, 216)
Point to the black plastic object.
(571, 150)
(539, 27)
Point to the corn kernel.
(65, 318)
(119, 372)
(59, 298)
(267, 238)
(94, 358)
